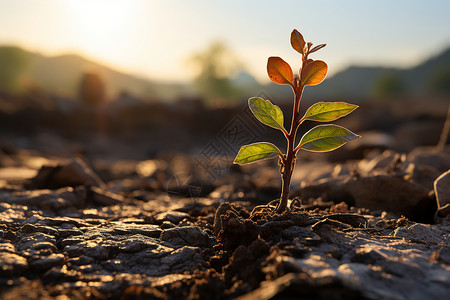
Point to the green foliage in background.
(214, 68)
(14, 62)
(388, 85)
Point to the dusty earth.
(141, 202)
(373, 228)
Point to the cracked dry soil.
(72, 232)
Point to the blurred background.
(133, 79)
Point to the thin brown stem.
(288, 162)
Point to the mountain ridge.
(61, 74)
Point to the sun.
(99, 27)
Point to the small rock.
(81, 260)
(172, 216)
(12, 264)
(444, 254)
(380, 164)
(440, 276)
(420, 232)
(167, 225)
(189, 235)
(7, 247)
(96, 251)
(36, 241)
(149, 230)
(29, 228)
(295, 232)
(47, 262)
(47, 199)
(402, 269)
(184, 259)
(103, 197)
(131, 246)
(73, 250)
(73, 174)
(368, 256)
(65, 233)
(394, 194)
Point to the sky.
(154, 39)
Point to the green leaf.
(324, 138)
(328, 111)
(266, 112)
(253, 152)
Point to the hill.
(430, 77)
(62, 74)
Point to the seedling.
(321, 138)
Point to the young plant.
(321, 138)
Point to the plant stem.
(288, 162)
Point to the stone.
(383, 163)
(36, 241)
(391, 193)
(172, 216)
(47, 262)
(29, 228)
(183, 259)
(74, 173)
(103, 197)
(7, 247)
(189, 235)
(149, 230)
(421, 232)
(47, 199)
(12, 264)
(81, 260)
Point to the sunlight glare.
(100, 26)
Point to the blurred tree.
(13, 62)
(214, 68)
(388, 85)
(440, 82)
(92, 89)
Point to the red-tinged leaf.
(306, 63)
(279, 71)
(314, 73)
(317, 48)
(297, 42)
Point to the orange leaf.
(314, 73)
(279, 71)
(297, 41)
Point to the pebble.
(47, 262)
(189, 235)
(12, 264)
